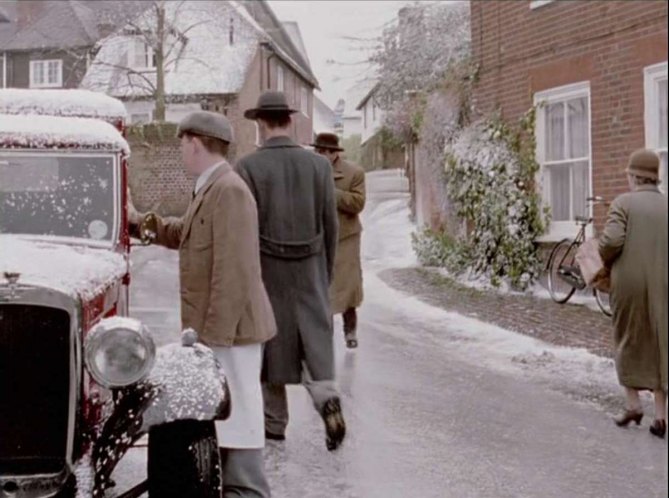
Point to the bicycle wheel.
(603, 302)
(563, 254)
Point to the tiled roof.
(59, 24)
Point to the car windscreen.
(64, 195)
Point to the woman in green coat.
(634, 246)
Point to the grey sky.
(323, 23)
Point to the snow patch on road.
(484, 344)
(387, 245)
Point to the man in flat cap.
(294, 191)
(222, 294)
(346, 290)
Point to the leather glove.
(148, 228)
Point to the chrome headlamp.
(119, 351)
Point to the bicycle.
(564, 275)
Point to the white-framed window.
(564, 153)
(304, 100)
(280, 79)
(140, 54)
(655, 115)
(46, 73)
(535, 4)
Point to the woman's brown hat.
(644, 163)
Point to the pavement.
(438, 404)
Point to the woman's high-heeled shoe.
(627, 417)
(658, 428)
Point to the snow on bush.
(65, 103)
(49, 132)
(491, 183)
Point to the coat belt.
(291, 250)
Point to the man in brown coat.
(222, 294)
(346, 289)
(294, 191)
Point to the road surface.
(437, 405)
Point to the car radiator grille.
(34, 388)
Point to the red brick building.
(600, 69)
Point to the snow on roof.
(48, 132)
(65, 103)
(77, 271)
(203, 62)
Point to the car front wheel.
(183, 460)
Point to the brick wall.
(156, 175)
(521, 51)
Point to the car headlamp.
(119, 352)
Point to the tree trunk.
(159, 111)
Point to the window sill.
(566, 230)
(536, 4)
(142, 69)
(46, 85)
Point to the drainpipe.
(268, 48)
(4, 70)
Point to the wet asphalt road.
(434, 408)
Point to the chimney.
(27, 11)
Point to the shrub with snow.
(491, 183)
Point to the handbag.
(593, 270)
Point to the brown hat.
(328, 141)
(270, 102)
(207, 124)
(644, 163)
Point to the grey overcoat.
(297, 220)
(634, 245)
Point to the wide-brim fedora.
(269, 102)
(327, 141)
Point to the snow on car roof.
(64, 103)
(49, 132)
(74, 270)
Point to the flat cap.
(644, 163)
(207, 124)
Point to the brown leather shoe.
(627, 417)
(658, 428)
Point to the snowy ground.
(437, 404)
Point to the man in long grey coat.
(297, 217)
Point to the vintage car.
(80, 382)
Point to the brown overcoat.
(222, 294)
(346, 290)
(634, 245)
